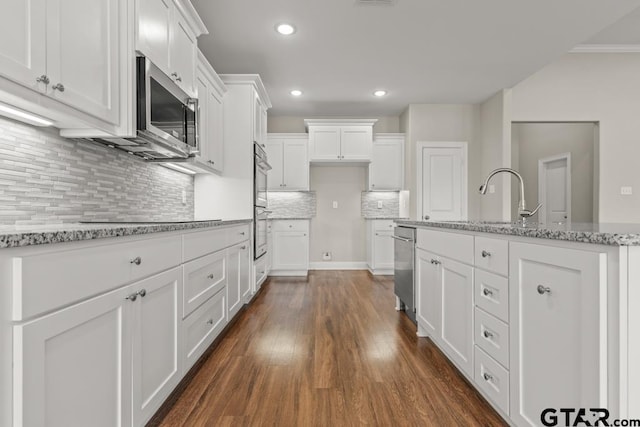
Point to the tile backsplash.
(292, 204)
(390, 204)
(45, 178)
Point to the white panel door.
(296, 164)
(182, 54)
(156, 342)
(325, 143)
(276, 160)
(234, 294)
(558, 324)
(75, 365)
(428, 293)
(456, 288)
(442, 183)
(290, 250)
(383, 257)
(83, 55)
(23, 41)
(356, 142)
(154, 28)
(554, 189)
(385, 170)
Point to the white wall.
(293, 124)
(602, 88)
(440, 123)
(340, 231)
(534, 141)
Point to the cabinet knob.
(486, 254)
(543, 290)
(487, 292)
(132, 297)
(43, 79)
(487, 334)
(176, 77)
(210, 276)
(210, 322)
(487, 376)
(242, 233)
(243, 247)
(142, 293)
(137, 261)
(211, 162)
(435, 262)
(373, 185)
(58, 86)
(426, 217)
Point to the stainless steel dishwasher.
(404, 256)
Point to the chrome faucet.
(522, 206)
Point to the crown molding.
(339, 122)
(606, 48)
(248, 79)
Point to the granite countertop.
(13, 236)
(395, 218)
(601, 234)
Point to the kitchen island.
(537, 317)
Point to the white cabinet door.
(428, 294)
(355, 142)
(258, 132)
(296, 165)
(215, 119)
(245, 271)
(325, 143)
(202, 88)
(456, 288)
(156, 342)
(558, 324)
(276, 160)
(75, 365)
(23, 41)
(155, 18)
(182, 54)
(83, 55)
(383, 250)
(385, 170)
(290, 250)
(234, 295)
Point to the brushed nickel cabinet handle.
(435, 262)
(487, 377)
(132, 297)
(243, 247)
(487, 292)
(487, 334)
(210, 276)
(210, 322)
(58, 86)
(543, 290)
(486, 254)
(137, 261)
(142, 293)
(43, 79)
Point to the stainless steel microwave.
(166, 118)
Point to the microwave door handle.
(196, 120)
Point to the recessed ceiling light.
(296, 92)
(285, 29)
(380, 93)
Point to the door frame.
(420, 146)
(542, 188)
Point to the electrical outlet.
(326, 256)
(335, 204)
(379, 204)
(626, 191)
(184, 197)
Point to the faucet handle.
(528, 214)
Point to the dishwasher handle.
(402, 239)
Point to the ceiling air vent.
(376, 2)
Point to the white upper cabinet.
(340, 140)
(288, 156)
(386, 171)
(259, 121)
(23, 41)
(167, 35)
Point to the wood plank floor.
(329, 350)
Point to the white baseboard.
(287, 273)
(338, 265)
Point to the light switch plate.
(379, 204)
(335, 204)
(626, 191)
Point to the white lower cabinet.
(290, 248)
(428, 298)
(380, 247)
(156, 342)
(239, 276)
(202, 327)
(558, 322)
(73, 367)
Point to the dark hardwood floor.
(329, 350)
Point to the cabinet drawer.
(261, 271)
(238, 234)
(493, 379)
(202, 327)
(452, 245)
(383, 224)
(203, 278)
(492, 255)
(200, 243)
(46, 281)
(293, 225)
(492, 294)
(492, 335)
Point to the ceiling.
(420, 51)
(624, 32)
